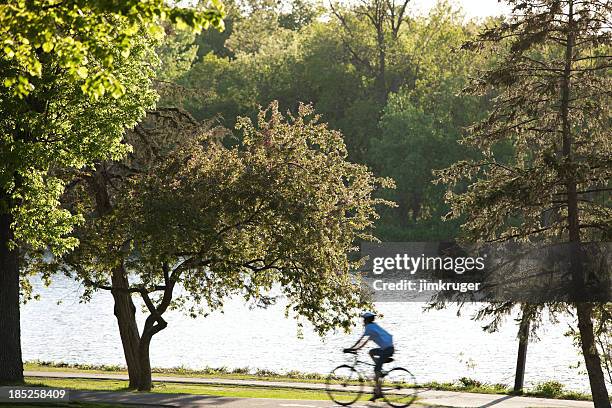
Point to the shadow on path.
(151, 399)
(497, 401)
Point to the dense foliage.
(333, 62)
(58, 126)
(239, 219)
(84, 37)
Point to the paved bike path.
(426, 397)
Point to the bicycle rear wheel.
(399, 387)
(344, 385)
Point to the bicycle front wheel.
(399, 387)
(344, 385)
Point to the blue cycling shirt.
(378, 335)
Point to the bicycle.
(345, 384)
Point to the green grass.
(465, 384)
(217, 373)
(174, 388)
(208, 372)
(550, 389)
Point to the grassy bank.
(549, 389)
(239, 374)
(174, 388)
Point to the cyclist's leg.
(377, 355)
(382, 356)
(386, 354)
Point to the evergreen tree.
(553, 105)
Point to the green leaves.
(77, 31)
(519, 189)
(48, 46)
(61, 126)
(8, 52)
(283, 209)
(98, 85)
(42, 223)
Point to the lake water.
(435, 345)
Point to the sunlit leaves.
(57, 126)
(283, 209)
(525, 197)
(74, 75)
(77, 31)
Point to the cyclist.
(380, 355)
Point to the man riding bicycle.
(380, 355)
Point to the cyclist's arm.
(361, 342)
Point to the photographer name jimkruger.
(423, 285)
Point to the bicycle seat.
(389, 360)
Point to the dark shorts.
(380, 356)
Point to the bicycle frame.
(357, 362)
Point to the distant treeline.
(390, 82)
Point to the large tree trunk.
(153, 325)
(521, 358)
(146, 382)
(11, 365)
(591, 355)
(125, 312)
(584, 310)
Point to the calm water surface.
(435, 345)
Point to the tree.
(554, 106)
(415, 142)
(251, 22)
(76, 31)
(295, 57)
(277, 63)
(63, 80)
(55, 125)
(383, 20)
(185, 211)
(421, 126)
(602, 318)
